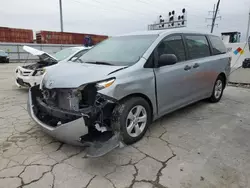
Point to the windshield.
(120, 51)
(65, 53)
(3, 54)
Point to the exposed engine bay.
(41, 64)
(55, 107)
(45, 59)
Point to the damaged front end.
(30, 75)
(41, 64)
(79, 116)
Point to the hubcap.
(218, 89)
(136, 121)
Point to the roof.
(163, 32)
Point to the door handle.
(187, 67)
(196, 65)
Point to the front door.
(174, 83)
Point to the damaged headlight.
(40, 72)
(105, 84)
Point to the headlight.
(105, 84)
(40, 72)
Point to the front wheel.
(132, 117)
(218, 90)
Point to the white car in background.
(31, 75)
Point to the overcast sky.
(118, 16)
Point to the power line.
(100, 5)
(113, 7)
(151, 6)
(182, 5)
(122, 8)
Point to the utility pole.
(248, 25)
(215, 16)
(61, 15)
(215, 12)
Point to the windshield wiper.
(99, 63)
(79, 60)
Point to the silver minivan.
(115, 90)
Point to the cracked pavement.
(201, 146)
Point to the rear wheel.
(218, 89)
(132, 117)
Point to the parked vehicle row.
(113, 92)
(4, 57)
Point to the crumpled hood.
(73, 75)
(41, 54)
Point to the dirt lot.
(204, 145)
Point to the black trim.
(150, 62)
(156, 93)
(155, 54)
(185, 47)
(210, 45)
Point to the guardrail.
(18, 55)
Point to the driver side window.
(172, 45)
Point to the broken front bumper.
(69, 132)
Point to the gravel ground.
(203, 145)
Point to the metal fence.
(17, 54)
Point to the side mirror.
(167, 59)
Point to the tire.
(217, 93)
(122, 120)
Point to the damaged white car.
(31, 75)
(126, 82)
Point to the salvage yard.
(203, 145)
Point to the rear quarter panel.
(217, 64)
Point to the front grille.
(25, 73)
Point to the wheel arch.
(223, 75)
(142, 96)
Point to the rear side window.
(217, 45)
(197, 46)
(172, 45)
